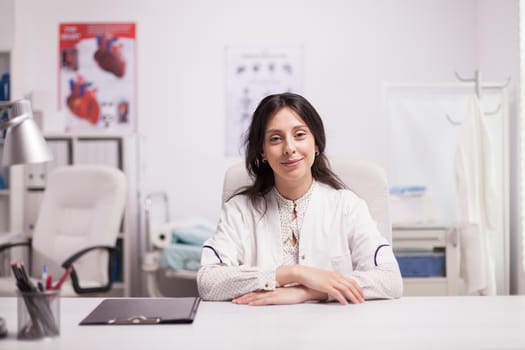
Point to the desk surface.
(407, 323)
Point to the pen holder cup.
(38, 314)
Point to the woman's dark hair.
(261, 171)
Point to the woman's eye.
(300, 134)
(275, 138)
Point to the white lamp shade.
(25, 144)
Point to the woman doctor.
(296, 234)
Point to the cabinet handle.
(419, 238)
(453, 237)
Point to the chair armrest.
(27, 243)
(74, 278)
(6, 246)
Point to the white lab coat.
(477, 203)
(337, 234)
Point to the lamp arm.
(14, 121)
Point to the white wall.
(350, 47)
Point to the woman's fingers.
(346, 289)
(245, 299)
(354, 289)
(356, 286)
(335, 284)
(334, 292)
(353, 295)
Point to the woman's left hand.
(280, 296)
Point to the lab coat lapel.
(269, 243)
(311, 228)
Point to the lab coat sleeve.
(375, 267)
(224, 273)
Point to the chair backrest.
(365, 178)
(82, 206)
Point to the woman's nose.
(289, 147)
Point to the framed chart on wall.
(97, 76)
(252, 74)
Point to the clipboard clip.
(135, 320)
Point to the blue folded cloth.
(193, 235)
(181, 257)
(187, 239)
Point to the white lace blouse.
(291, 213)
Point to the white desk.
(407, 323)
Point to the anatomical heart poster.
(97, 76)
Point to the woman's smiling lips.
(291, 162)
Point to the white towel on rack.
(477, 203)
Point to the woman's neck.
(293, 190)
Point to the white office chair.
(365, 178)
(78, 224)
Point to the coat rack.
(398, 94)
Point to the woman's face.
(289, 147)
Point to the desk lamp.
(23, 143)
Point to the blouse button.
(302, 257)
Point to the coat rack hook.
(452, 121)
(459, 77)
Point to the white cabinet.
(118, 151)
(429, 242)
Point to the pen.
(62, 279)
(44, 274)
(49, 282)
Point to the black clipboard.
(126, 311)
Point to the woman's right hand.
(342, 288)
